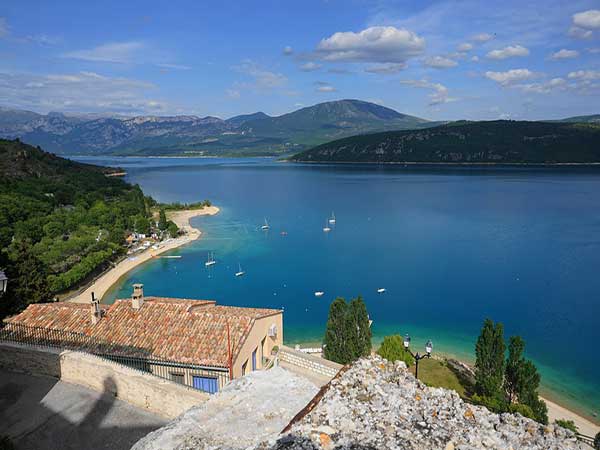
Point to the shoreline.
(107, 280)
(555, 410)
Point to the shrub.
(524, 410)
(392, 349)
(597, 442)
(568, 424)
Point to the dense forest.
(60, 221)
(496, 142)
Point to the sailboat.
(210, 260)
(265, 226)
(326, 228)
(332, 218)
(319, 293)
(240, 272)
(380, 290)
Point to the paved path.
(44, 413)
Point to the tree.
(392, 349)
(513, 377)
(597, 441)
(172, 228)
(334, 343)
(27, 277)
(358, 329)
(489, 360)
(162, 220)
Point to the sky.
(439, 60)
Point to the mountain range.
(247, 135)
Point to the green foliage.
(392, 349)
(495, 404)
(597, 441)
(347, 334)
(172, 228)
(489, 362)
(514, 376)
(568, 424)
(181, 206)
(6, 443)
(524, 410)
(27, 277)
(162, 220)
(72, 217)
(501, 141)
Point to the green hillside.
(468, 142)
(64, 218)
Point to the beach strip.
(181, 218)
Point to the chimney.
(137, 298)
(95, 310)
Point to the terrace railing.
(141, 359)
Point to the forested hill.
(501, 142)
(60, 220)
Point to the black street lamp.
(3, 283)
(418, 357)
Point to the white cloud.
(263, 79)
(76, 92)
(233, 93)
(587, 19)
(324, 87)
(440, 62)
(386, 69)
(580, 33)
(545, 87)
(482, 37)
(475, 58)
(3, 27)
(115, 52)
(439, 94)
(587, 75)
(594, 50)
(564, 54)
(465, 47)
(374, 44)
(508, 52)
(310, 66)
(287, 50)
(510, 76)
(173, 66)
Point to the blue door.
(206, 384)
(254, 359)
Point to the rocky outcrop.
(380, 405)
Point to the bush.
(392, 349)
(597, 442)
(568, 424)
(494, 404)
(524, 410)
(6, 443)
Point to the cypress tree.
(359, 331)
(513, 377)
(162, 220)
(335, 341)
(489, 362)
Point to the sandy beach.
(182, 218)
(559, 412)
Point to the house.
(194, 342)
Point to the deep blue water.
(452, 246)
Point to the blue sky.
(433, 59)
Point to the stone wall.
(143, 390)
(309, 362)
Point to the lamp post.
(3, 283)
(418, 357)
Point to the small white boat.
(380, 290)
(210, 260)
(319, 293)
(332, 218)
(326, 228)
(265, 226)
(240, 272)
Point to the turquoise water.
(451, 246)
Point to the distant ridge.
(495, 142)
(243, 135)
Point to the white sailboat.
(319, 293)
(332, 218)
(326, 228)
(210, 261)
(240, 272)
(265, 226)
(380, 290)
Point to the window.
(254, 359)
(177, 377)
(244, 368)
(206, 384)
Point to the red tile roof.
(182, 330)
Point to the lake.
(451, 246)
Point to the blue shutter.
(206, 384)
(254, 359)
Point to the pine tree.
(489, 362)
(334, 343)
(162, 220)
(528, 391)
